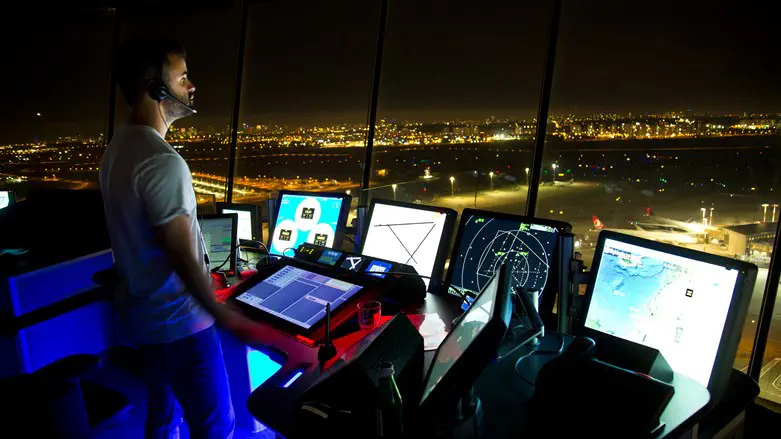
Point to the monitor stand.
(461, 417)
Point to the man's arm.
(164, 184)
(175, 238)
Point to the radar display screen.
(487, 242)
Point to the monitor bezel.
(317, 331)
(11, 196)
(736, 315)
(478, 355)
(234, 247)
(341, 222)
(561, 226)
(257, 229)
(447, 234)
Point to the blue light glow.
(293, 379)
(260, 367)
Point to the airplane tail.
(597, 223)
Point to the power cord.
(231, 255)
(268, 256)
(540, 352)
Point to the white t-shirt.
(146, 183)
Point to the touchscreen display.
(298, 296)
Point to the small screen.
(353, 263)
(5, 199)
(376, 267)
(406, 235)
(218, 238)
(461, 336)
(305, 218)
(487, 242)
(670, 303)
(245, 224)
(298, 296)
(330, 257)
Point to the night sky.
(311, 62)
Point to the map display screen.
(5, 199)
(670, 303)
(304, 218)
(488, 242)
(405, 235)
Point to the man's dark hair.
(138, 62)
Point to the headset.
(158, 91)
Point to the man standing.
(165, 304)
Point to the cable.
(232, 254)
(268, 255)
(398, 272)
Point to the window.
(664, 124)
(305, 97)
(210, 37)
(770, 375)
(458, 100)
(53, 117)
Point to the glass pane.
(770, 375)
(458, 98)
(210, 37)
(305, 97)
(655, 133)
(55, 80)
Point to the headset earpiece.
(157, 90)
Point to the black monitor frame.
(11, 196)
(478, 354)
(561, 226)
(733, 324)
(447, 234)
(234, 246)
(341, 222)
(257, 229)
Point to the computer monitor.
(485, 240)
(411, 234)
(219, 237)
(314, 217)
(687, 304)
(297, 297)
(249, 228)
(7, 198)
(471, 344)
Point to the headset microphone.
(159, 91)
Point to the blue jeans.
(191, 371)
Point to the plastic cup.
(369, 314)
